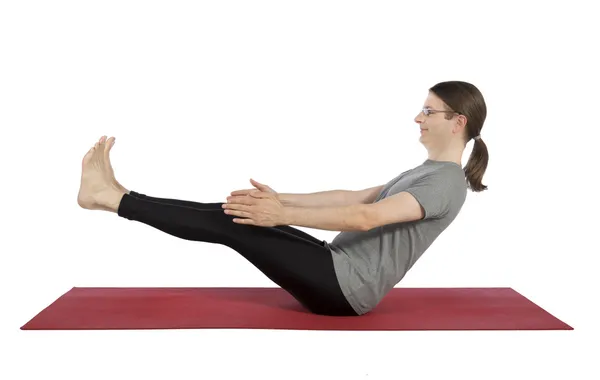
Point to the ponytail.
(477, 165)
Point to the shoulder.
(448, 177)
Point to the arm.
(399, 208)
(332, 198)
(336, 218)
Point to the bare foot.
(99, 188)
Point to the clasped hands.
(257, 208)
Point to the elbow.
(366, 228)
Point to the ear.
(460, 125)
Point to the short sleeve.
(433, 194)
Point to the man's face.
(435, 128)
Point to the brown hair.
(465, 99)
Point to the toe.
(109, 143)
(88, 156)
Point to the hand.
(257, 208)
(259, 186)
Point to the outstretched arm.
(331, 198)
(337, 218)
(267, 209)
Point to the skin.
(443, 139)
(99, 189)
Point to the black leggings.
(296, 261)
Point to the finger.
(236, 206)
(258, 185)
(244, 221)
(256, 194)
(261, 195)
(241, 192)
(241, 200)
(238, 213)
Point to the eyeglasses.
(429, 111)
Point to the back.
(369, 264)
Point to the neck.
(451, 153)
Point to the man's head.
(441, 126)
(453, 114)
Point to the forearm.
(337, 218)
(331, 198)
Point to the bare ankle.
(114, 199)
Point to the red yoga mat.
(274, 308)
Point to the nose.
(419, 118)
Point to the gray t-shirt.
(369, 264)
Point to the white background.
(304, 96)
